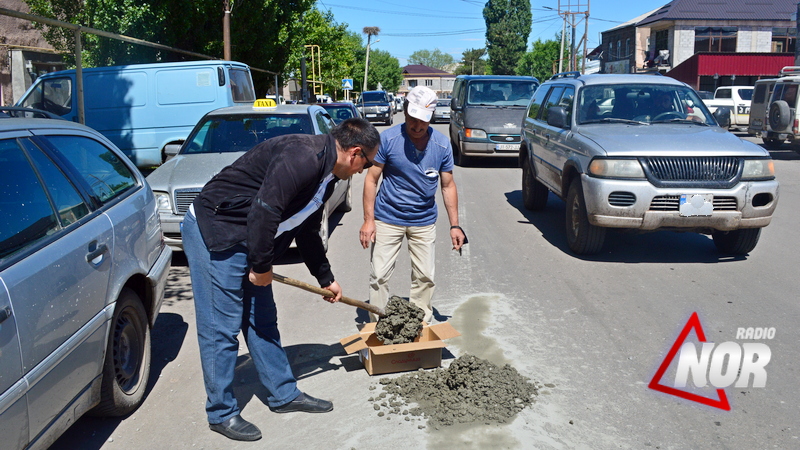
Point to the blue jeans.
(225, 302)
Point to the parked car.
(487, 111)
(657, 160)
(146, 110)
(375, 107)
(762, 91)
(442, 112)
(737, 100)
(705, 95)
(219, 139)
(83, 269)
(341, 111)
(782, 112)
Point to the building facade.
(439, 81)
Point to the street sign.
(347, 84)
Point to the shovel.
(324, 292)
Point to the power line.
(436, 33)
(402, 13)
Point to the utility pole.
(574, 12)
(226, 30)
(369, 31)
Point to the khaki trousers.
(421, 250)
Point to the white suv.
(642, 152)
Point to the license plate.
(693, 205)
(372, 115)
(506, 147)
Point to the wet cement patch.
(402, 323)
(470, 390)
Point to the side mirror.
(557, 117)
(454, 104)
(170, 150)
(723, 116)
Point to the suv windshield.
(374, 97)
(222, 134)
(500, 93)
(645, 103)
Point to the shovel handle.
(326, 293)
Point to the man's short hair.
(356, 132)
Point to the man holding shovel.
(240, 223)
(413, 159)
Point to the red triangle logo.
(655, 383)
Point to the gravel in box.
(402, 323)
(471, 389)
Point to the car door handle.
(96, 253)
(5, 313)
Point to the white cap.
(421, 103)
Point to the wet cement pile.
(469, 390)
(402, 323)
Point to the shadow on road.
(624, 246)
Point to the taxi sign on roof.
(264, 103)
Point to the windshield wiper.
(689, 121)
(615, 120)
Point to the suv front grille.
(505, 138)
(700, 171)
(184, 198)
(673, 203)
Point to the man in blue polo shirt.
(413, 159)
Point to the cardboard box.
(424, 353)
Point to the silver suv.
(83, 268)
(642, 152)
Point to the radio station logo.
(718, 365)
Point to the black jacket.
(246, 201)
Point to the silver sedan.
(219, 139)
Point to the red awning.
(727, 64)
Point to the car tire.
(324, 228)
(126, 370)
(534, 193)
(772, 144)
(779, 115)
(459, 158)
(347, 203)
(390, 121)
(736, 242)
(583, 238)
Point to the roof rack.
(574, 74)
(790, 71)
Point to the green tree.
(542, 61)
(508, 24)
(472, 62)
(383, 68)
(435, 59)
(263, 32)
(338, 49)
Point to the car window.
(552, 100)
(53, 95)
(745, 94)
(640, 102)
(103, 171)
(536, 103)
(566, 102)
(323, 123)
(500, 92)
(239, 133)
(241, 86)
(760, 93)
(66, 198)
(789, 94)
(26, 216)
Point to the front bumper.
(171, 227)
(486, 147)
(657, 208)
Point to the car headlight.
(616, 168)
(383, 109)
(758, 169)
(162, 201)
(474, 133)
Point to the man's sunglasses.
(367, 164)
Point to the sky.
(454, 26)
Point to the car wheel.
(772, 144)
(534, 193)
(779, 115)
(390, 121)
(459, 158)
(347, 203)
(127, 363)
(583, 238)
(323, 228)
(736, 242)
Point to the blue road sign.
(347, 84)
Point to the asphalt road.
(594, 329)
